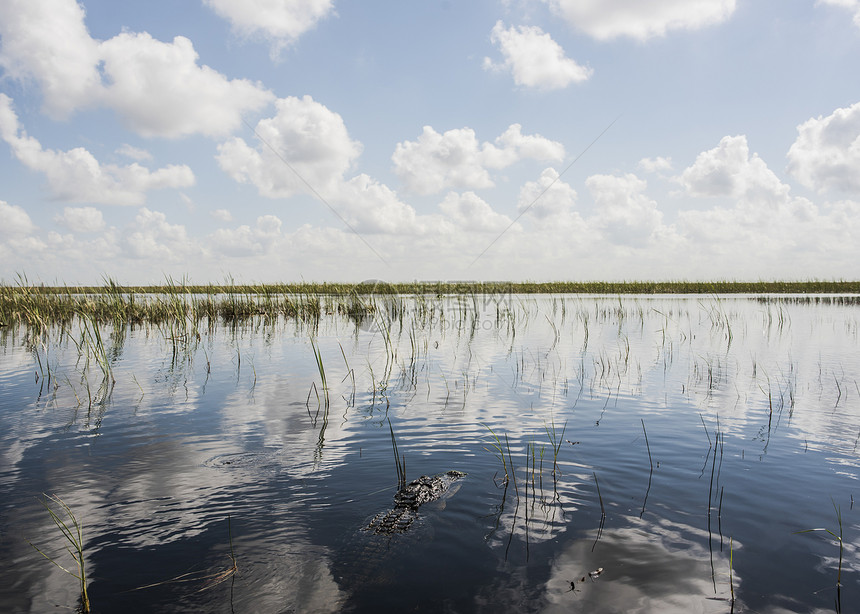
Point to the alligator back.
(408, 499)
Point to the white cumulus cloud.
(153, 238)
(623, 212)
(14, 221)
(760, 209)
(436, 161)
(281, 21)
(306, 148)
(247, 241)
(269, 225)
(191, 99)
(472, 213)
(304, 135)
(851, 5)
(47, 41)
(76, 176)
(534, 58)
(81, 219)
(729, 170)
(455, 158)
(655, 165)
(222, 214)
(826, 153)
(548, 198)
(638, 19)
(372, 207)
(135, 153)
(512, 146)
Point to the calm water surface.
(751, 407)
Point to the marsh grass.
(399, 460)
(839, 538)
(179, 300)
(732, 570)
(650, 472)
(208, 579)
(534, 460)
(511, 464)
(602, 512)
(349, 373)
(555, 440)
(499, 451)
(91, 340)
(181, 307)
(181, 311)
(321, 369)
(72, 533)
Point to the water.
(750, 407)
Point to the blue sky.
(281, 140)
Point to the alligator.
(368, 560)
(408, 499)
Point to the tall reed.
(321, 369)
(555, 439)
(399, 460)
(498, 450)
(70, 528)
(839, 538)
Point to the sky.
(497, 140)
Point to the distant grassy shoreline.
(463, 287)
(188, 305)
